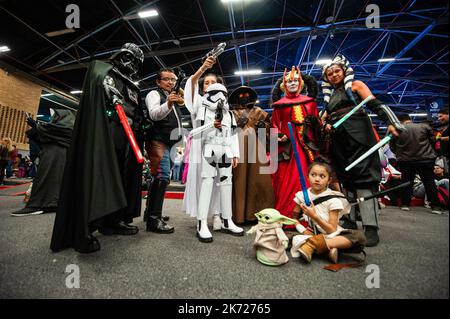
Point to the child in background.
(325, 215)
(177, 165)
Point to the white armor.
(219, 147)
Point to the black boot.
(117, 224)
(158, 225)
(148, 205)
(120, 228)
(90, 245)
(372, 238)
(155, 221)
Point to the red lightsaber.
(129, 133)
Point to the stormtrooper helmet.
(216, 93)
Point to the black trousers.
(3, 164)
(425, 169)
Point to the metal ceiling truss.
(388, 79)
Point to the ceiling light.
(4, 48)
(76, 92)
(394, 59)
(148, 13)
(47, 94)
(418, 114)
(323, 62)
(248, 72)
(386, 60)
(228, 1)
(59, 32)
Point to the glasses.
(169, 79)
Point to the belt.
(337, 115)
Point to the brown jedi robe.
(252, 191)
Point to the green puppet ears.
(270, 216)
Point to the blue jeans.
(163, 172)
(176, 171)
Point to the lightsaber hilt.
(378, 194)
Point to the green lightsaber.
(374, 148)
(356, 108)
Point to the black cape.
(55, 138)
(92, 185)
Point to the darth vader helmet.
(129, 59)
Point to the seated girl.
(327, 207)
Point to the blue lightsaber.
(299, 165)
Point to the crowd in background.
(15, 165)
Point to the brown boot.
(315, 244)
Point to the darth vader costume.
(101, 188)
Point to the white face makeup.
(292, 85)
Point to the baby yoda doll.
(271, 241)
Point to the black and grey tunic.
(352, 139)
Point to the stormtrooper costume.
(193, 179)
(218, 148)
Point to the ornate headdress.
(305, 82)
(293, 74)
(348, 80)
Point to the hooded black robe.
(55, 138)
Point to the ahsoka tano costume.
(301, 111)
(252, 190)
(218, 148)
(101, 187)
(352, 139)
